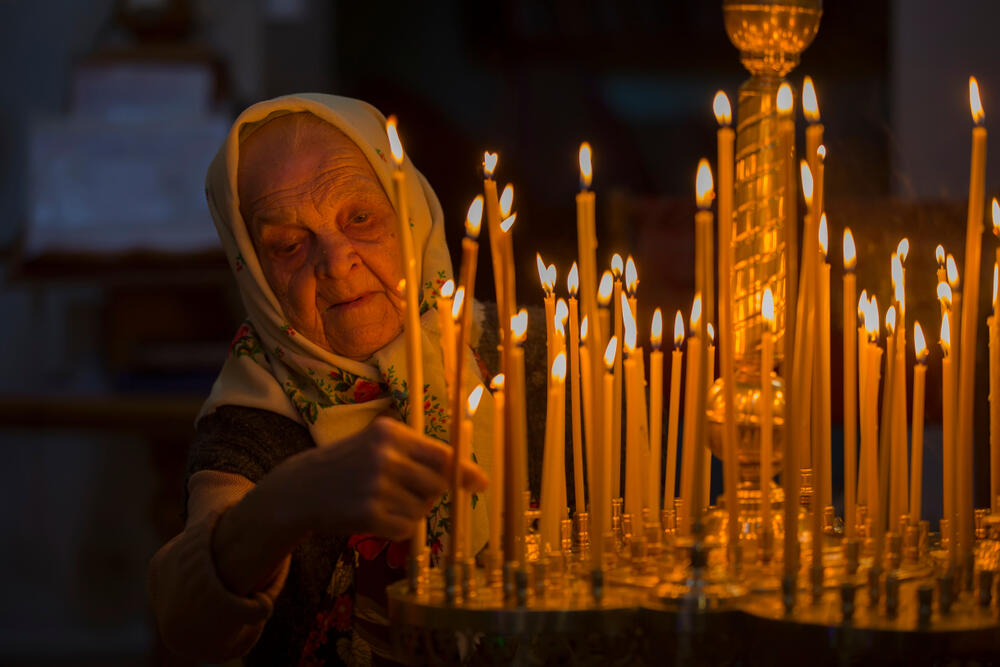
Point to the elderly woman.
(301, 471)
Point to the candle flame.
(919, 344)
(456, 306)
(996, 218)
(558, 328)
(474, 218)
(629, 328)
(903, 249)
(723, 110)
(656, 329)
(810, 107)
(862, 304)
(890, 320)
(784, 99)
(952, 272)
(871, 319)
(395, 145)
(496, 384)
(897, 274)
(945, 334)
(573, 280)
(562, 312)
(703, 185)
(974, 102)
(543, 274)
(631, 276)
(506, 200)
(508, 222)
(604, 289)
(489, 163)
(807, 181)
(559, 367)
(617, 265)
(711, 332)
(678, 329)
(939, 255)
(550, 274)
(609, 353)
(944, 293)
(823, 235)
(850, 252)
(472, 404)
(584, 329)
(448, 288)
(821, 153)
(695, 312)
(519, 325)
(586, 166)
(767, 309)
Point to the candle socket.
(925, 604)
(874, 575)
(806, 490)
(985, 588)
(566, 538)
(946, 592)
(581, 535)
(891, 594)
(468, 579)
(816, 581)
(847, 601)
(852, 549)
(945, 527)
(617, 506)
(923, 539)
(895, 555)
(980, 522)
(521, 587)
(541, 571)
(415, 569)
(597, 585)
(450, 584)
(911, 544)
(829, 521)
(789, 585)
(766, 548)
(625, 534)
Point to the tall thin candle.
(553, 504)
(516, 476)
(617, 268)
(917, 438)
(948, 424)
(850, 384)
(767, 423)
(673, 415)
(655, 412)
(497, 472)
(573, 285)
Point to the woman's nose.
(336, 255)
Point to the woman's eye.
(361, 218)
(286, 249)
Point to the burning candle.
(814, 136)
(899, 493)
(637, 443)
(553, 503)
(508, 218)
(994, 329)
(492, 208)
(590, 419)
(704, 194)
(862, 489)
(631, 283)
(870, 443)
(784, 102)
(655, 411)
(919, 382)
(691, 384)
(573, 285)
(970, 323)
(601, 508)
(850, 384)
(766, 421)
(516, 476)
(617, 268)
(820, 178)
(805, 333)
(586, 237)
(455, 318)
(604, 292)
(948, 424)
(446, 324)
(821, 439)
(497, 471)
(706, 487)
(550, 309)
(673, 416)
(559, 320)
(411, 328)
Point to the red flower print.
(366, 391)
(436, 546)
(241, 333)
(343, 608)
(367, 545)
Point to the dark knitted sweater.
(251, 442)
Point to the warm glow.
(996, 218)
(974, 102)
(903, 249)
(863, 304)
(489, 163)
(628, 326)
(559, 367)
(944, 293)
(810, 107)
(609, 353)
(573, 280)
(656, 329)
(711, 332)
(784, 99)
(395, 145)
(767, 309)
(474, 218)
(550, 274)
(919, 344)
(473, 403)
(604, 289)
(939, 255)
(890, 320)
(807, 181)
(617, 265)
(723, 110)
(631, 276)
(871, 319)
(824, 235)
(562, 312)
(952, 272)
(586, 167)
(678, 329)
(583, 329)
(497, 382)
(695, 312)
(456, 306)
(519, 325)
(850, 252)
(897, 278)
(506, 200)
(945, 335)
(508, 222)
(543, 274)
(448, 289)
(821, 153)
(703, 184)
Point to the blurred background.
(117, 305)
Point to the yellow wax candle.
(947, 427)
(820, 176)
(553, 463)
(954, 356)
(631, 284)
(706, 487)
(411, 328)
(633, 491)
(850, 384)
(461, 532)
(497, 470)
(821, 438)
(447, 326)
(919, 383)
(784, 103)
(492, 209)
(603, 331)
(573, 285)
(508, 218)
(550, 310)
(691, 384)
(814, 139)
(601, 508)
(655, 412)
(970, 324)
(899, 495)
(994, 330)
(766, 421)
(730, 469)
(703, 220)
(873, 365)
(864, 357)
(673, 415)
(805, 333)
(617, 267)
(517, 471)
(590, 418)
(586, 236)
(886, 422)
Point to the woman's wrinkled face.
(325, 233)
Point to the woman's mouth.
(356, 302)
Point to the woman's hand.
(381, 480)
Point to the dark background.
(104, 358)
